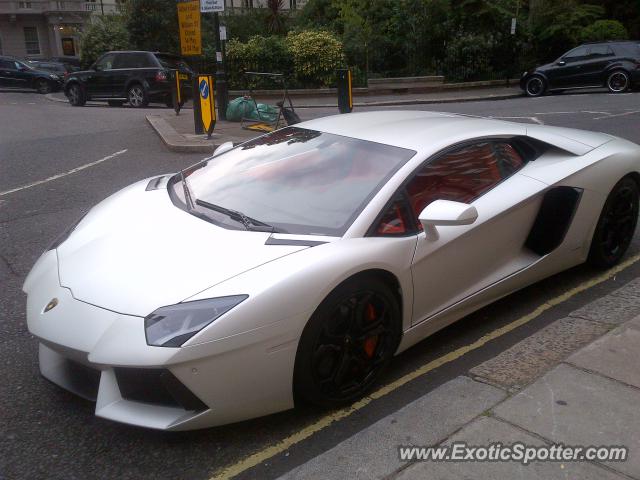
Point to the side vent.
(553, 220)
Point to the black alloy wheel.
(616, 225)
(535, 86)
(347, 344)
(43, 86)
(618, 81)
(76, 95)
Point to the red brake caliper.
(370, 343)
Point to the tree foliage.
(104, 34)
(153, 25)
(602, 30)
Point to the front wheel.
(137, 96)
(43, 86)
(347, 343)
(618, 81)
(76, 95)
(535, 86)
(616, 225)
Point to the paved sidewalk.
(576, 391)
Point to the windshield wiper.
(248, 222)
(187, 194)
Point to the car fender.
(141, 80)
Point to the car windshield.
(298, 180)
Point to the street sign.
(207, 6)
(223, 32)
(513, 26)
(189, 22)
(206, 90)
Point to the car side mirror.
(561, 62)
(446, 212)
(225, 147)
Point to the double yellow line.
(322, 423)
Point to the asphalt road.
(48, 433)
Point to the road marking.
(617, 115)
(327, 420)
(64, 174)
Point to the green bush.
(316, 55)
(259, 54)
(602, 30)
(107, 33)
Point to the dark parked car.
(16, 73)
(134, 77)
(58, 68)
(615, 65)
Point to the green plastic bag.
(241, 107)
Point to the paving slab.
(485, 431)
(614, 309)
(571, 406)
(616, 355)
(531, 357)
(372, 453)
(631, 290)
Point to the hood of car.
(136, 252)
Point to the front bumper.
(103, 356)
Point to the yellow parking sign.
(206, 90)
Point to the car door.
(452, 263)
(595, 65)
(567, 71)
(98, 80)
(8, 73)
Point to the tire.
(43, 86)
(115, 103)
(618, 81)
(535, 86)
(348, 342)
(616, 225)
(137, 96)
(76, 95)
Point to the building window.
(31, 42)
(24, 5)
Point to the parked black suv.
(16, 73)
(134, 77)
(615, 65)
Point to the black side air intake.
(554, 218)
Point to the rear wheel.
(618, 81)
(43, 86)
(347, 343)
(76, 95)
(616, 225)
(535, 86)
(137, 96)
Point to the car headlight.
(525, 74)
(173, 325)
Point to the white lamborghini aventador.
(294, 266)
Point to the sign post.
(215, 7)
(345, 91)
(176, 94)
(207, 103)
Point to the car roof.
(415, 130)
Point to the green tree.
(602, 30)
(316, 55)
(104, 34)
(153, 25)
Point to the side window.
(395, 221)
(463, 175)
(600, 51)
(106, 62)
(7, 65)
(575, 54)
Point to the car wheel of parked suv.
(535, 86)
(43, 86)
(618, 81)
(76, 95)
(137, 96)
